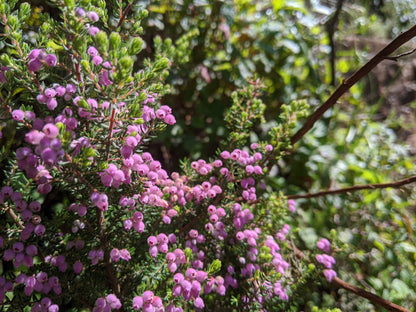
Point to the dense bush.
(92, 221)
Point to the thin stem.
(16, 219)
(348, 83)
(126, 11)
(354, 188)
(395, 58)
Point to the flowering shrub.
(126, 234)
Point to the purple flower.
(79, 12)
(324, 245)
(31, 250)
(92, 16)
(70, 88)
(329, 275)
(97, 60)
(50, 130)
(170, 119)
(137, 302)
(199, 303)
(41, 98)
(18, 115)
(8, 255)
(77, 267)
(113, 301)
(93, 30)
(60, 90)
(34, 54)
(50, 93)
(35, 65)
(50, 60)
(92, 51)
(104, 79)
(148, 296)
(125, 254)
(3, 69)
(115, 254)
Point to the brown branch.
(370, 296)
(354, 188)
(348, 83)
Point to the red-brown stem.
(390, 306)
(113, 112)
(115, 285)
(126, 11)
(348, 83)
(354, 188)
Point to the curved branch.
(348, 83)
(390, 306)
(354, 188)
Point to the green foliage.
(201, 57)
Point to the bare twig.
(16, 219)
(395, 58)
(348, 83)
(354, 188)
(370, 296)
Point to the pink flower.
(199, 303)
(93, 30)
(115, 254)
(18, 115)
(113, 302)
(77, 267)
(35, 65)
(92, 51)
(50, 60)
(324, 245)
(137, 302)
(92, 16)
(329, 275)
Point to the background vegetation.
(299, 50)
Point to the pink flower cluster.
(148, 302)
(110, 302)
(158, 244)
(50, 95)
(189, 286)
(39, 282)
(38, 57)
(31, 222)
(327, 260)
(95, 256)
(117, 254)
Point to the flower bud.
(126, 62)
(102, 41)
(115, 41)
(136, 45)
